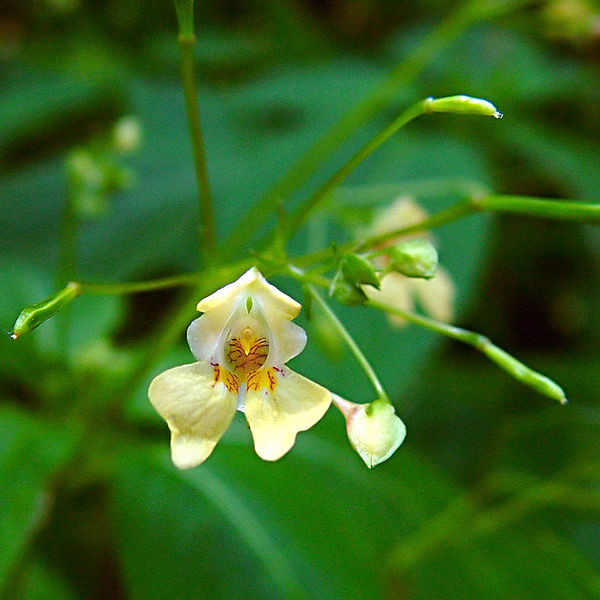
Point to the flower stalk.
(452, 104)
(503, 359)
(345, 334)
(187, 41)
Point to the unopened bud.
(127, 134)
(34, 315)
(374, 430)
(465, 105)
(414, 258)
(358, 270)
(345, 292)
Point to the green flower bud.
(465, 105)
(358, 270)
(414, 258)
(34, 315)
(345, 292)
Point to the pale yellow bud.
(127, 134)
(374, 430)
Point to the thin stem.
(541, 207)
(187, 41)
(67, 262)
(134, 287)
(67, 252)
(505, 361)
(468, 14)
(308, 206)
(452, 213)
(344, 333)
(521, 205)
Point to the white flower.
(435, 295)
(374, 430)
(242, 342)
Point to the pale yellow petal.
(436, 295)
(275, 417)
(288, 338)
(203, 334)
(395, 291)
(403, 212)
(252, 284)
(197, 410)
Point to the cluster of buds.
(360, 277)
(95, 171)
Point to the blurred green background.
(495, 492)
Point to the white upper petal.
(252, 284)
(227, 308)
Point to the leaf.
(239, 527)
(40, 582)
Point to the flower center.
(246, 353)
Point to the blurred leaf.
(276, 525)
(34, 124)
(31, 453)
(40, 582)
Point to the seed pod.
(34, 315)
(465, 105)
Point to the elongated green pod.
(544, 385)
(34, 315)
(464, 105)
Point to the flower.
(374, 430)
(435, 295)
(242, 342)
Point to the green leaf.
(241, 527)
(40, 582)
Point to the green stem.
(540, 207)
(134, 287)
(67, 262)
(344, 333)
(67, 252)
(511, 365)
(187, 41)
(521, 205)
(468, 14)
(300, 215)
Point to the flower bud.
(465, 105)
(34, 315)
(345, 292)
(358, 270)
(414, 258)
(127, 134)
(374, 430)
